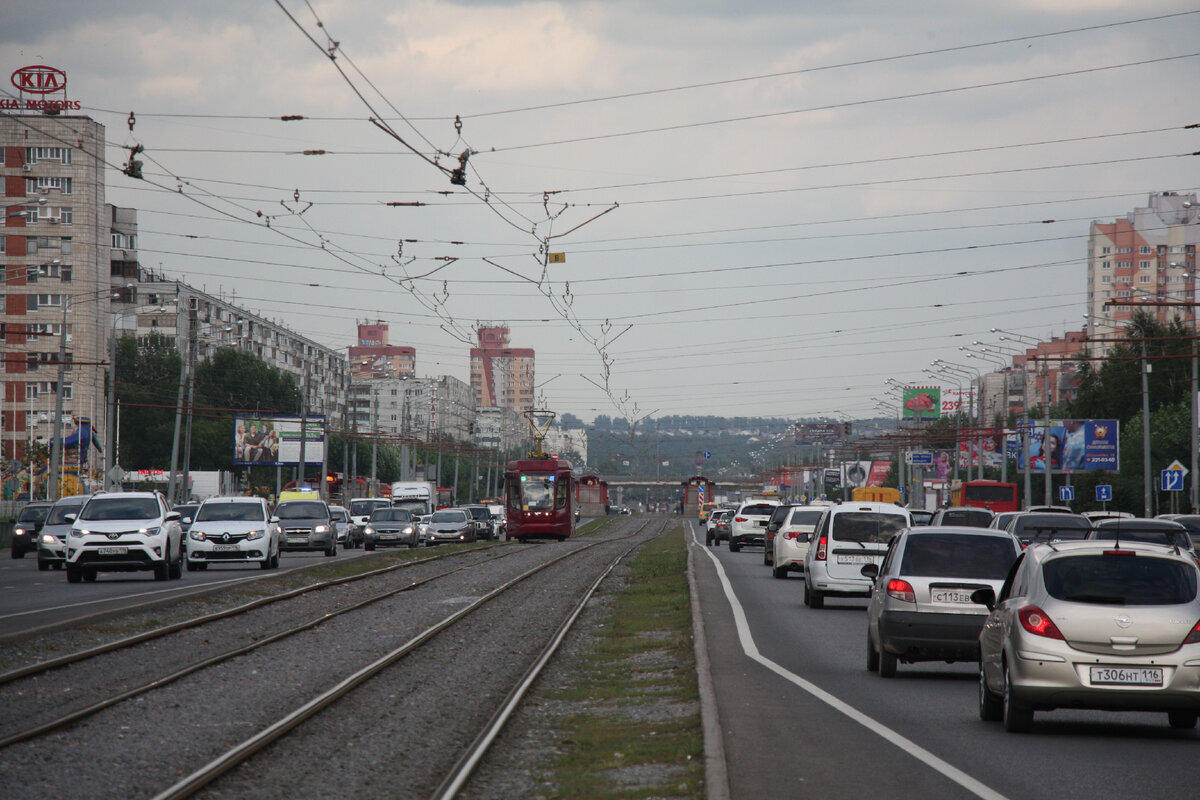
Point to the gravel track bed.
(40, 698)
(426, 708)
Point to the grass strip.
(633, 729)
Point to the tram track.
(235, 754)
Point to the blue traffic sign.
(1103, 493)
(708, 454)
(1172, 480)
(1066, 493)
(920, 457)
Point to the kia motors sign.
(40, 80)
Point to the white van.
(849, 535)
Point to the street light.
(1049, 481)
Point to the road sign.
(1066, 493)
(1103, 493)
(1177, 467)
(708, 454)
(920, 457)
(1171, 480)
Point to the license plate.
(856, 559)
(387, 536)
(225, 548)
(112, 551)
(297, 540)
(951, 596)
(1127, 676)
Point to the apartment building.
(501, 376)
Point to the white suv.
(127, 532)
(849, 536)
(791, 541)
(749, 523)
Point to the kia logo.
(39, 79)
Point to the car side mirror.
(171, 515)
(186, 520)
(985, 597)
(803, 537)
(773, 527)
(274, 519)
(870, 571)
(70, 517)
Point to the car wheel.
(17, 552)
(734, 548)
(369, 546)
(767, 558)
(192, 566)
(887, 664)
(708, 539)
(1182, 720)
(74, 575)
(43, 565)
(175, 568)
(991, 707)
(265, 563)
(816, 599)
(807, 596)
(201, 566)
(161, 571)
(89, 575)
(275, 559)
(1018, 718)
(332, 551)
(872, 655)
(779, 571)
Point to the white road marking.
(910, 747)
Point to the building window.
(1124, 265)
(44, 185)
(1143, 265)
(1145, 250)
(124, 241)
(1125, 250)
(1106, 278)
(35, 154)
(1106, 265)
(1105, 250)
(1144, 278)
(66, 245)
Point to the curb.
(716, 775)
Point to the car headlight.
(369, 531)
(409, 529)
(49, 538)
(199, 536)
(252, 535)
(148, 531)
(321, 529)
(79, 532)
(19, 531)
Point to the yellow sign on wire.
(558, 258)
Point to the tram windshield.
(543, 492)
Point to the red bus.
(992, 495)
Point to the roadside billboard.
(275, 441)
(1072, 445)
(922, 402)
(986, 446)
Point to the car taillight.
(1194, 636)
(821, 548)
(1034, 620)
(791, 534)
(901, 590)
(739, 519)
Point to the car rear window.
(866, 526)
(805, 517)
(780, 514)
(1163, 536)
(1045, 527)
(1120, 580)
(970, 519)
(957, 555)
(758, 510)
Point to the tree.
(147, 382)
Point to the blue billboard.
(1070, 445)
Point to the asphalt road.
(31, 600)
(802, 716)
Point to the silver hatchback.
(1093, 625)
(921, 607)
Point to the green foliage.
(147, 380)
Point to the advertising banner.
(879, 472)
(956, 400)
(819, 432)
(275, 441)
(1072, 445)
(922, 402)
(987, 446)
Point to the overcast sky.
(799, 200)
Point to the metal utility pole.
(183, 373)
(1147, 494)
(56, 438)
(374, 440)
(110, 436)
(303, 429)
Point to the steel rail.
(242, 752)
(465, 766)
(91, 652)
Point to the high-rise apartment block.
(501, 376)
(374, 358)
(1148, 257)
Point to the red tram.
(540, 499)
(697, 490)
(591, 496)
